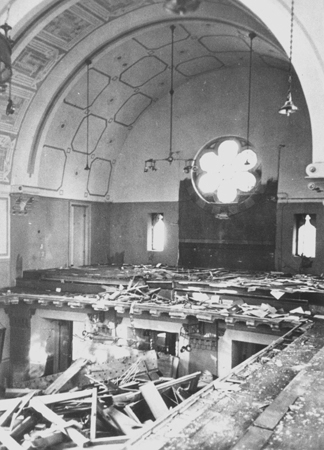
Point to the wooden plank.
(11, 409)
(24, 401)
(8, 441)
(154, 400)
(93, 415)
(272, 415)
(77, 437)
(75, 367)
(17, 392)
(105, 418)
(24, 426)
(254, 438)
(162, 387)
(65, 396)
(47, 438)
(111, 440)
(125, 424)
(128, 410)
(47, 285)
(178, 381)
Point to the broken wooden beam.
(93, 415)
(66, 376)
(162, 387)
(23, 403)
(66, 396)
(124, 423)
(62, 425)
(153, 399)
(12, 407)
(9, 441)
(47, 438)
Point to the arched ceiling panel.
(100, 169)
(128, 43)
(77, 97)
(53, 161)
(87, 143)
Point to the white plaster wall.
(308, 52)
(95, 351)
(222, 100)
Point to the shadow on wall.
(19, 266)
(117, 259)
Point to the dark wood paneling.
(243, 241)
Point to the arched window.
(156, 232)
(305, 235)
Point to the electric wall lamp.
(185, 348)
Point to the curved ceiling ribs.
(130, 71)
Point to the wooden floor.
(276, 403)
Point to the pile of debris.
(101, 412)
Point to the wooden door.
(59, 347)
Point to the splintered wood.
(48, 418)
(66, 376)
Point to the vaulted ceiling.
(122, 49)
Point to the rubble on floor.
(270, 297)
(273, 401)
(100, 412)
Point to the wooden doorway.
(79, 235)
(59, 347)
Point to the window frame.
(299, 221)
(150, 232)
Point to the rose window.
(226, 171)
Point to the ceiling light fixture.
(289, 107)
(181, 6)
(150, 164)
(88, 62)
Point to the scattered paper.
(277, 293)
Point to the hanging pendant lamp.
(289, 107)
(88, 62)
(150, 164)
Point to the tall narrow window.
(305, 235)
(156, 232)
